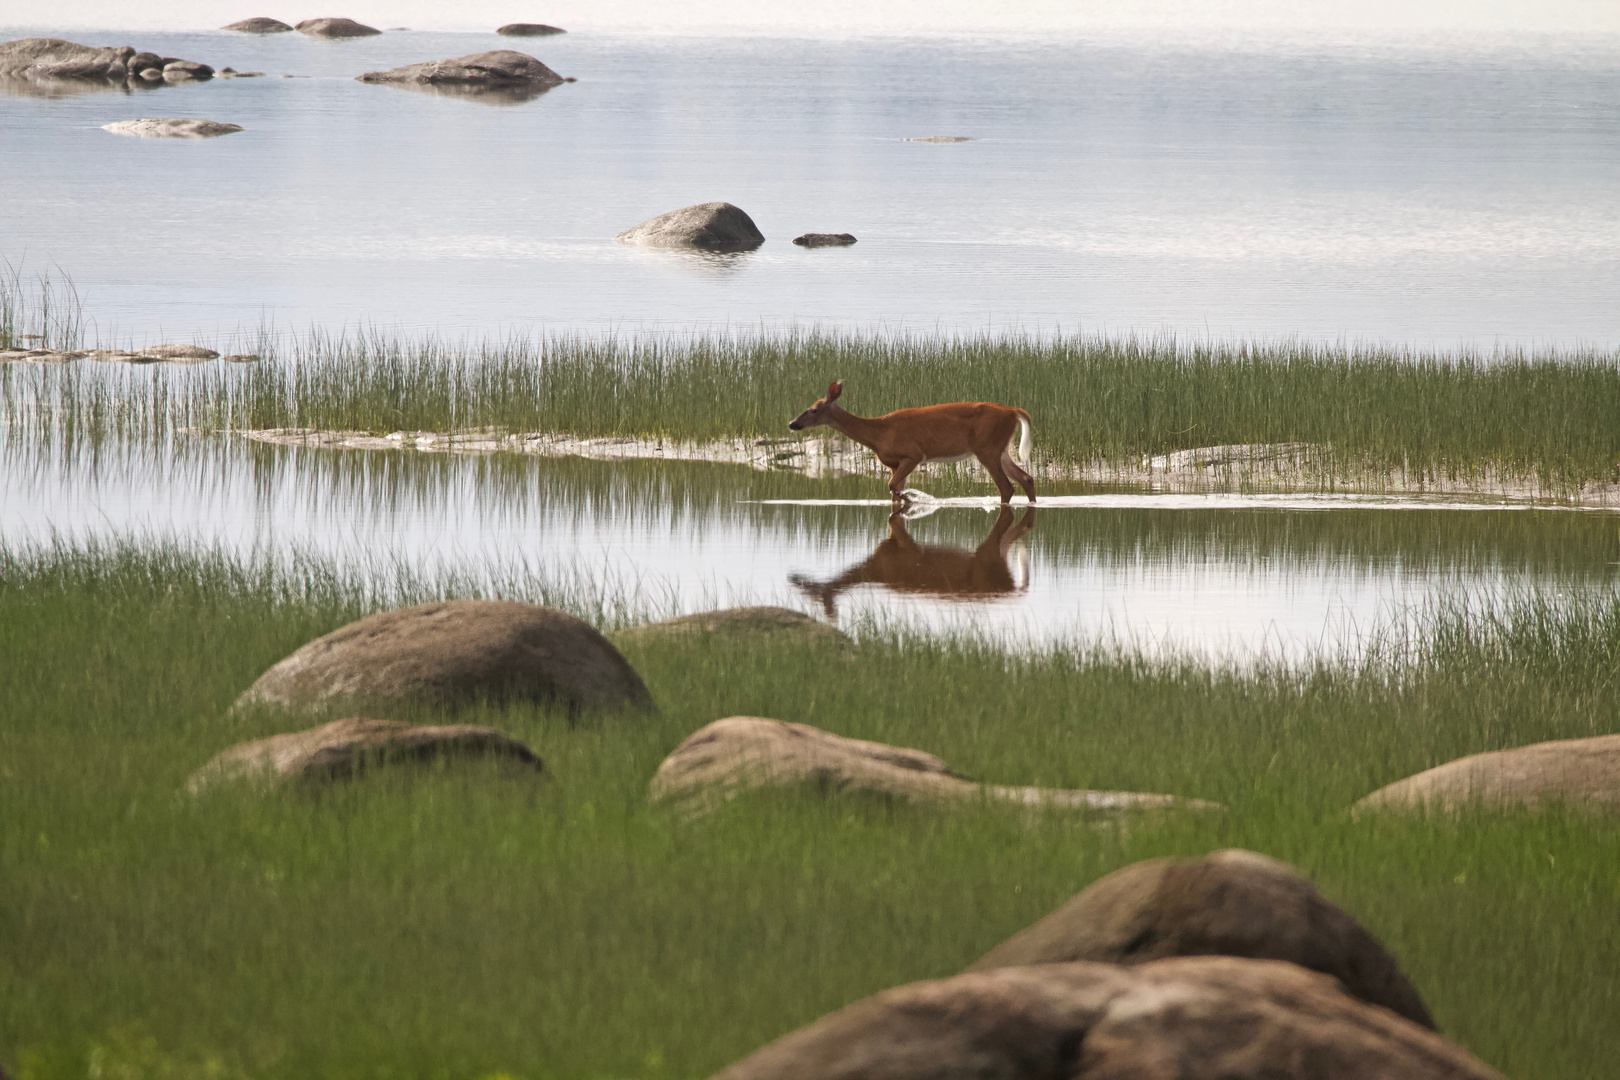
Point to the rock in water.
(1188, 1018)
(177, 354)
(186, 71)
(1582, 773)
(344, 748)
(750, 624)
(500, 69)
(940, 138)
(824, 239)
(455, 653)
(171, 127)
(53, 58)
(715, 226)
(529, 29)
(259, 25)
(335, 28)
(1230, 903)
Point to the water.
(1423, 196)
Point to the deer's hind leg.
(1025, 481)
(995, 466)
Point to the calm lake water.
(1418, 197)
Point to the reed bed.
(459, 926)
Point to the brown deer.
(905, 439)
(905, 566)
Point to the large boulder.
(499, 69)
(53, 58)
(1230, 903)
(743, 625)
(742, 753)
(1189, 1018)
(715, 226)
(529, 29)
(344, 748)
(335, 28)
(259, 25)
(454, 653)
(171, 127)
(1583, 773)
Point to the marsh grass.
(453, 925)
(38, 311)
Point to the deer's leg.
(1025, 481)
(993, 465)
(897, 477)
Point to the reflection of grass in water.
(1555, 416)
(463, 928)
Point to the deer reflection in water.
(905, 566)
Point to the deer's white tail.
(1023, 442)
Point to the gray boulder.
(343, 749)
(1582, 773)
(822, 239)
(1230, 903)
(146, 61)
(335, 28)
(747, 624)
(171, 127)
(186, 71)
(259, 25)
(501, 69)
(458, 652)
(715, 226)
(529, 29)
(53, 58)
(1189, 1018)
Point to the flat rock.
(741, 753)
(940, 138)
(824, 239)
(40, 356)
(1583, 773)
(1188, 1018)
(529, 29)
(454, 653)
(259, 25)
(715, 226)
(172, 354)
(54, 58)
(748, 624)
(241, 358)
(501, 68)
(171, 127)
(1229, 903)
(335, 28)
(344, 748)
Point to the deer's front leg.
(898, 471)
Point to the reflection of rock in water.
(484, 95)
(903, 565)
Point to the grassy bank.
(1553, 418)
(453, 926)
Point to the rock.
(241, 358)
(344, 748)
(176, 354)
(227, 73)
(152, 75)
(455, 653)
(715, 226)
(110, 356)
(1582, 773)
(186, 71)
(1229, 903)
(529, 29)
(53, 58)
(40, 356)
(143, 61)
(1188, 1018)
(940, 138)
(171, 127)
(1233, 454)
(259, 25)
(739, 624)
(500, 69)
(742, 753)
(824, 239)
(335, 28)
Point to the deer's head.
(817, 414)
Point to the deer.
(904, 439)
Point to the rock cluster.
(335, 28)
(171, 127)
(715, 226)
(47, 59)
(156, 354)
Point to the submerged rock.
(335, 28)
(456, 653)
(1188, 1018)
(823, 239)
(748, 624)
(1230, 903)
(715, 226)
(740, 753)
(259, 25)
(500, 69)
(171, 127)
(1581, 773)
(343, 749)
(529, 29)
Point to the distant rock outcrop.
(171, 127)
(715, 226)
(259, 25)
(499, 70)
(335, 28)
(529, 29)
(824, 239)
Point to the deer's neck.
(862, 430)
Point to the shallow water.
(1418, 197)
(1228, 578)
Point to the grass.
(451, 926)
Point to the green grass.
(453, 926)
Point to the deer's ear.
(835, 389)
